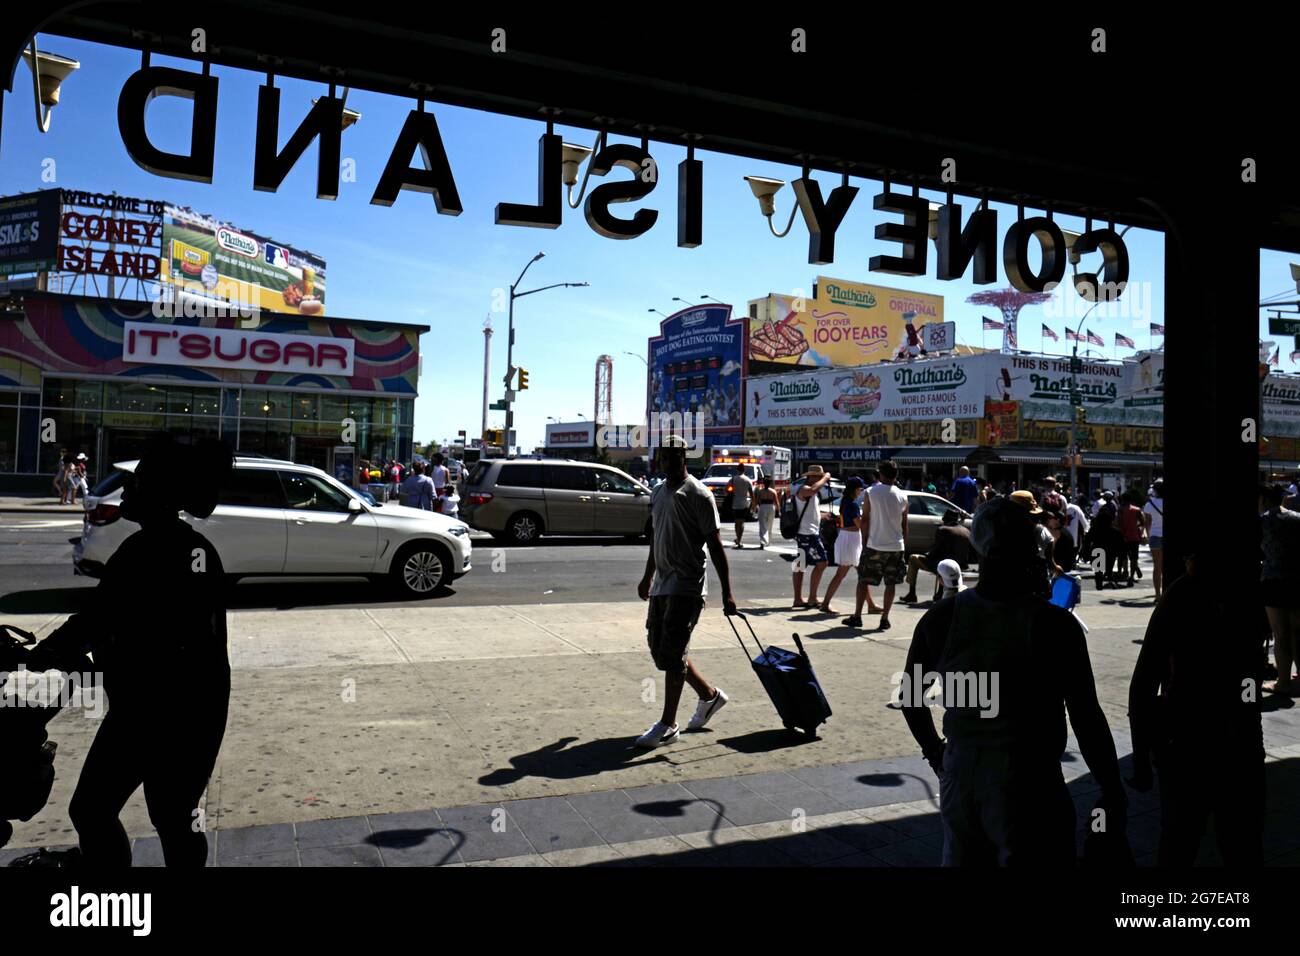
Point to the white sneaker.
(658, 735)
(705, 709)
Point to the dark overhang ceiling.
(1023, 107)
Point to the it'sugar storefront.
(107, 374)
(96, 374)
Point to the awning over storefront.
(1269, 464)
(938, 455)
(1120, 459)
(1029, 456)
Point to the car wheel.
(421, 569)
(524, 528)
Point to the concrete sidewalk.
(37, 504)
(355, 714)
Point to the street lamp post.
(510, 335)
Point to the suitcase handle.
(799, 644)
(23, 638)
(735, 631)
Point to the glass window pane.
(134, 397)
(90, 395)
(58, 393)
(308, 493)
(180, 400)
(305, 407)
(520, 476)
(31, 399)
(570, 478)
(334, 408)
(613, 481)
(252, 488)
(8, 398)
(277, 439)
(207, 401)
(8, 439)
(253, 403)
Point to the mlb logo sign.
(277, 256)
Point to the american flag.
(991, 326)
(1073, 336)
(1096, 339)
(1276, 352)
(1293, 356)
(1157, 328)
(1011, 335)
(1049, 334)
(1125, 341)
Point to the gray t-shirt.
(1280, 542)
(683, 518)
(742, 491)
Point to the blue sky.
(406, 264)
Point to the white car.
(275, 518)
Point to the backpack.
(792, 518)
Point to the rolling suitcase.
(790, 681)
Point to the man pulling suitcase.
(684, 521)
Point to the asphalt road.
(36, 573)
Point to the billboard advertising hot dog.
(915, 391)
(212, 258)
(842, 324)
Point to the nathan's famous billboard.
(843, 324)
(916, 391)
(211, 258)
(696, 366)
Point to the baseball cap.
(1025, 499)
(674, 441)
(949, 572)
(1004, 528)
(854, 482)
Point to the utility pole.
(487, 364)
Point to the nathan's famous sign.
(958, 244)
(844, 323)
(918, 391)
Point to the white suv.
(275, 518)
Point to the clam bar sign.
(153, 344)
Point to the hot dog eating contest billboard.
(209, 257)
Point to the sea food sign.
(958, 244)
(917, 391)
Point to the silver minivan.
(521, 499)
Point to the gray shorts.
(669, 623)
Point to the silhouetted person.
(1003, 799)
(1194, 713)
(156, 625)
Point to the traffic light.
(523, 379)
(1080, 415)
(494, 436)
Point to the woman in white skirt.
(848, 543)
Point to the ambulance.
(766, 461)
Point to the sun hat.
(814, 471)
(1026, 500)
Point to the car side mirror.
(354, 505)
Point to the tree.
(1009, 302)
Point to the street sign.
(498, 406)
(1280, 326)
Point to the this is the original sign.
(235, 348)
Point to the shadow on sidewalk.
(415, 839)
(559, 761)
(47, 601)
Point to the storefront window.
(134, 397)
(180, 401)
(254, 403)
(74, 432)
(335, 408)
(306, 408)
(89, 395)
(406, 411)
(207, 401)
(58, 393)
(8, 436)
(277, 439)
